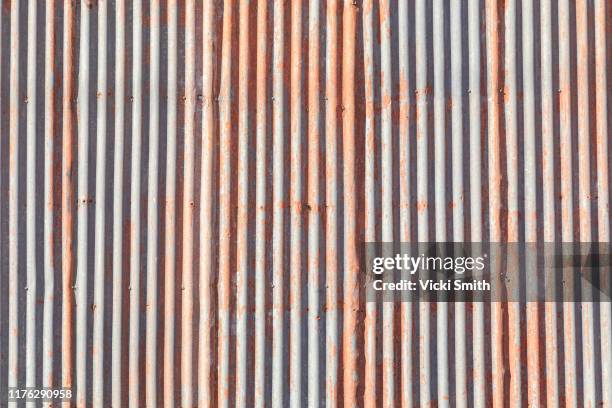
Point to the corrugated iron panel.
(185, 186)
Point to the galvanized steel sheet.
(185, 187)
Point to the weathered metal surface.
(184, 187)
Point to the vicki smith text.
(432, 285)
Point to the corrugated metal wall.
(185, 186)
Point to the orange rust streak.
(421, 206)
(68, 203)
(494, 190)
(351, 289)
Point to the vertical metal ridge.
(295, 206)
(494, 181)
(31, 292)
(584, 194)
(351, 281)
(370, 213)
(170, 210)
(99, 308)
(407, 309)
(548, 196)
(278, 145)
(225, 168)
(152, 303)
(13, 228)
(439, 136)
(530, 194)
(566, 192)
(135, 201)
(67, 194)
(242, 212)
(475, 185)
(422, 202)
(206, 229)
(386, 158)
(83, 201)
(603, 188)
(509, 130)
(188, 210)
(458, 196)
(314, 205)
(117, 384)
(261, 135)
(332, 356)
